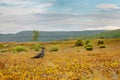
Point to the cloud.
(112, 27)
(107, 27)
(15, 2)
(107, 6)
(14, 28)
(58, 22)
(25, 2)
(21, 7)
(68, 9)
(43, 15)
(19, 11)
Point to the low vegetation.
(87, 42)
(89, 47)
(79, 42)
(102, 46)
(101, 43)
(37, 47)
(66, 64)
(54, 48)
(19, 49)
(3, 50)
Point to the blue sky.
(59, 15)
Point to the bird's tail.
(32, 57)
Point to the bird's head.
(43, 47)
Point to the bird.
(40, 55)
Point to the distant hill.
(45, 36)
(105, 34)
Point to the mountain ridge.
(45, 36)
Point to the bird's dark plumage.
(41, 54)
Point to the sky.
(59, 15)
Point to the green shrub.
(1, 46)
(54, 48)
(87, 42)
(79, 42)
(3, 51)
(89, 47)
(102, 46)
(100, 42)
(36, 47)
(19, 49)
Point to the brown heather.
(69, 63)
